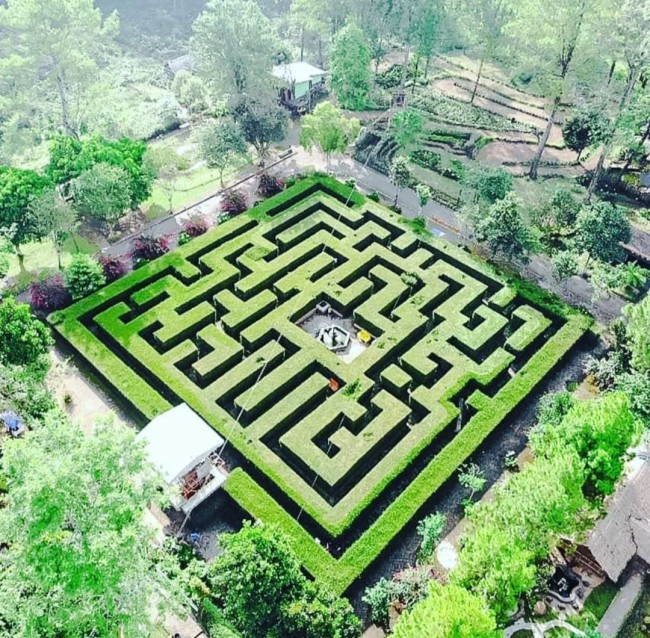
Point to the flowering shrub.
(113, 267)
(234, 203)
(50, 294)
(147, 247)
(269, 185)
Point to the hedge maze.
(215, 324)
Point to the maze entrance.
(253, 325)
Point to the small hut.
(624, 534)
(184, 448)
(300, 85)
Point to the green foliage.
(17, 188)
(23, 391)
(191, 92)
(54, 49)
(406, 128)
(638, 320)
(489, 184)
(636, 386)
(583, 128)
(503, 231)
(350, 76)
(328, 129)
(69, 158)
(508, 535)
(400, 174)
(601, 227)
(472, 479)
(559, 213)
(101, 192)
(24, 340)
(448, 611)
(83, 276)
(262, 122)
(221, 143)
(79, 559)
(430, 531)
(258, 582)
(234, 43)
(424, 194)
(565, 265)
(599, 431)
(293, 213)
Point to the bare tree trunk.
(625, 168)
(478, 79)
(632, 77)
(542, 143)
(65, 109)
(426, 67)
(405, 66)
(612, 68)
(302, 44)
(21, 258)
(415, 73)
(321, 62)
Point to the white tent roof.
(297, 72)
(178, 440)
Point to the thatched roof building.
(624, 533)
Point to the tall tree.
(549, 35)
(52, 216)
(56, 46)
(406, 128)
(17, 188)
(101, 192)
(374, 18)
(350, 74)
(502, 229)
(329, 130)
(632, 30)
(484, 23)
(601, 228)
(221, 144)
(400, 175)
(262, 122)
(80, 558)
(638, 320)
(447, 611)
(24, 340)
(235, 45)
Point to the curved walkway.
(539, 629)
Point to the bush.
(426, 159)
(24, 340)
(113, 267)
(147, 247)
(193, 227)
(430, 531)
(83, 276)
(234, 203)
(50, 294)
(269, 185)
(374, 196)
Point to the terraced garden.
(218, 324)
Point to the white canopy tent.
(179, 442)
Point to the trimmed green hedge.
(213, 324)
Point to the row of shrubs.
(86, 274)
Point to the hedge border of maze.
(339, 573)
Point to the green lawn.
(190, 187)
(41, 256)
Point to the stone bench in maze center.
(215, 325)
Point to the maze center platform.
(230, 324)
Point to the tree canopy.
(24, 340)
(235, 45)
(328, 129)
(350, 75)
(80, 559)
(447, 612)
